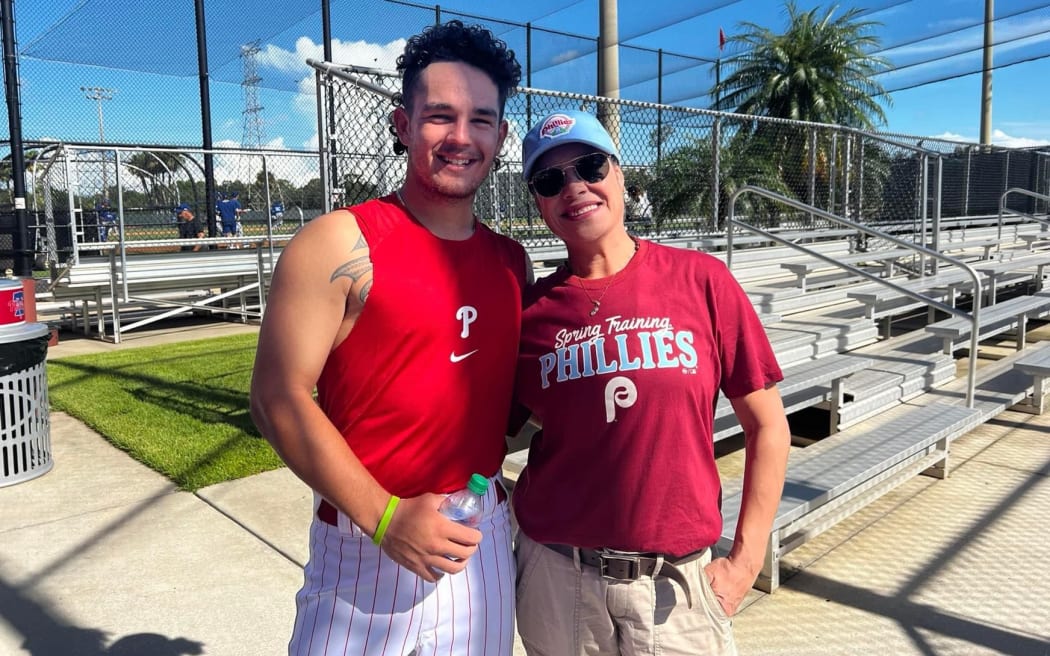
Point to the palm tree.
(683, 183)
(821, 70)
(156, 172)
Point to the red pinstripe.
(393, 605)
(430, 614)
(324, 561)
(412, 613)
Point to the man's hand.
(730, 581)
(422, 539)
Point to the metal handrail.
(974, 316)
(1003, 209)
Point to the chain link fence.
(83, 194)
(689, 162)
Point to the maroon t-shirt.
(627, 397)
(421, 387)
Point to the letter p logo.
(619, 392)
(467, 314)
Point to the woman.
(623, 354)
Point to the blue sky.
(66, 44)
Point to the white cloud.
(568, 55)
(358, 53)
(951, 136)
(236, 169)
(999, 138)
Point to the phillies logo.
(556, 125)
(17, 305)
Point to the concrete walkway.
(102, 556)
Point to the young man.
(623, 355)
(404, 312)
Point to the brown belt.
(327, 513)
(628, 566)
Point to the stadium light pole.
(98, 94)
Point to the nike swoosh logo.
(457, 358)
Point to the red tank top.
(421, 387)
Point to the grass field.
(180, 409)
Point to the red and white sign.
(12, 303)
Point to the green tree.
(821, 70)
(311, 195)
(157, 172)
(683, 187)
(7, 172)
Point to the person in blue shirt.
(107, 219)
(277, 213)
(229, 210)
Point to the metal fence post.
(938, 196)
(716, 173)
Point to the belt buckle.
(620, 561)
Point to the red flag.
(721, 39)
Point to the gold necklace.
(596, 303)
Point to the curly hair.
(455, 42)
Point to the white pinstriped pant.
(356, 601)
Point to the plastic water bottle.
(465, 506)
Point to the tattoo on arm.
(358, 269)
(354, 269)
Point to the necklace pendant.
(594, 310)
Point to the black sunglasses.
(550, 181)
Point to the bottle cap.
(478, 484)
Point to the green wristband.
(385, 521)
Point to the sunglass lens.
(590, 168)
(593, 168)
(548, 182)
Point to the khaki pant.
(565, 608)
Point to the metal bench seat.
(876, 297)
(833, 478)
(884, 259)
(1037, 365)
(713, 243)
(805, 384)
(1032, 239)
(997, 271)
(111, 284)
(994, 319)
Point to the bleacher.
(892, 399)
(107, 292)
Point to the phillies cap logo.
(17, 305)
(556, 125)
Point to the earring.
(399, 148)
(496, 163)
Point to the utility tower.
(252, 137)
